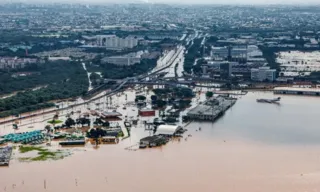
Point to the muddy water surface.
(253, 147)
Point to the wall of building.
(124, 60)
(263, 73)
(114, 42)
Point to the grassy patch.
(25, 149)
(55, 121)
(120, 134)
(43, 154)
(24, 158)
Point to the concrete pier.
(297, 91)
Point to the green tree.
(70, 122)
(209, 94)
(140, 98)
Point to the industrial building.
(15, 62)
(152, 141)
(263, 74)
(112, 115)
(237, 52)
(116, 43)
(225, 69)
(122, 60)
(221, 68)
(125, 60)
(212, 109)
(169, 130)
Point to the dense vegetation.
(197, 70)
(212, 39)
(96, 79)
(37, 43)
(71, 81)
(193, 53)
(179, 98)
(39, 75)
(209, 94)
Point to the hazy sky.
(181, 1)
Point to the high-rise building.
(229, 52)
(114, 42)
(223, 69)
(263, 74)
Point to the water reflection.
(293, 121)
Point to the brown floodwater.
(254, 147)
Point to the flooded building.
(152, 141)
(168, 130)
(212, 109)
(5, 156)
(147, 112)
(113, 115)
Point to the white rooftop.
(167, 129)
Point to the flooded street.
(253, 147)
(294, 63)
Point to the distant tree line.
(38, 74)
(70, 82)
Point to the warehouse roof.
(168, 129)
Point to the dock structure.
(5, 155)
(212, 109)
(72, 142)
(297, 91)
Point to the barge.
(72, 142)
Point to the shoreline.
(111, 94)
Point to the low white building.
(263, 73)
(59, 58)
(114, 43)
(125, 60)
(168, 129)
